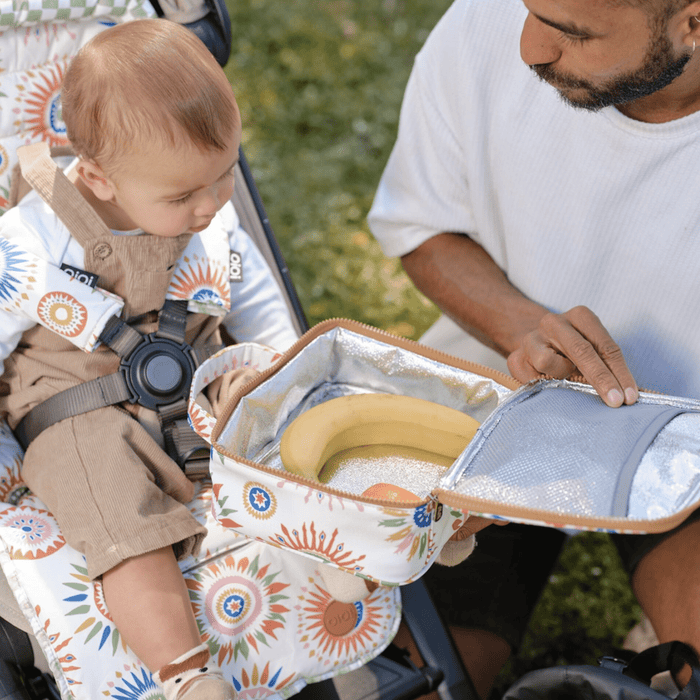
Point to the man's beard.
(660, 68)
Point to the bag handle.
(670, 656)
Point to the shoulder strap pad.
(51, 184)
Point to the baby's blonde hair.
(144, 81)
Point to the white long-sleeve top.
(576, 207)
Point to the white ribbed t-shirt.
(576, 207)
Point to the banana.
(372, 419)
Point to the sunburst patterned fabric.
(262, 610)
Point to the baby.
(156, 129)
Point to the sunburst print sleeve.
(14, 275)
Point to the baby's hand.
(223, 388)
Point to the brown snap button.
(103, 250)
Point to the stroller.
(66, 612)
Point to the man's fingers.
(599, 358)
(594, 370)
(545, 359)
(537, 361)
(520, 367)
(575, 341)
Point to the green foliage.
(320, 84)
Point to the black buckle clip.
(159, 371)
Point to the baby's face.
(167, 191)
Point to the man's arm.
(468, 286)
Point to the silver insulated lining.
(556, 446)
(567, 454)
(342, 362)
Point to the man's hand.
(575, 342)
(464, 281)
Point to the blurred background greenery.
(319, 84)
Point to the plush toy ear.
(343, 586)
(95, 179)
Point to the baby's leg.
(149, 603)
(119, 499)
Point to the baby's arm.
(258, 310)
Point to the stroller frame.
(389, 676)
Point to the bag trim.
(536, 516)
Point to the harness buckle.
(158, 371)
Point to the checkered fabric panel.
(25, 13)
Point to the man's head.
(155, 123)
(609, 52)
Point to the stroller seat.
(265, 614)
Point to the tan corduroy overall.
(104, 475)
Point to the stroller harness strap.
(156, 370)
(100, 392)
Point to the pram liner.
(265, 619)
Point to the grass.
(320, 84)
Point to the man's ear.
(93, 177)
(688, 24)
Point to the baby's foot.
(194, 676)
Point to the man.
(542, 193)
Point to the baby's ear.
(93, 177)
